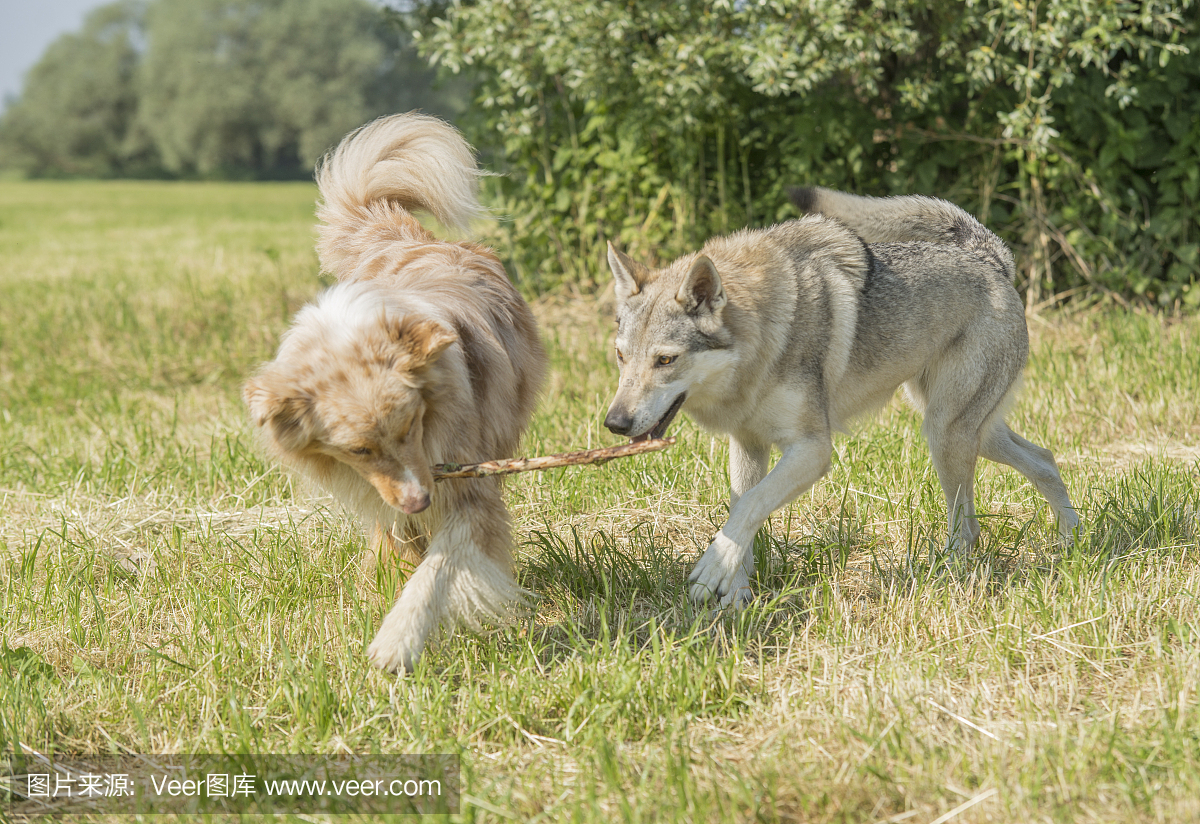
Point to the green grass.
(163, 588)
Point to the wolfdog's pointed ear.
(628, 274)
(701, 290)
(288, 418)
(422, 339)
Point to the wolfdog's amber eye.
(620, 357)
(666, 360)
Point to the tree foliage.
(257, 84)
(211, 88)
(84, 88)
(1072, 126)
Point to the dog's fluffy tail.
(410, 162)
(905, 219)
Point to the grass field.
(164, 589)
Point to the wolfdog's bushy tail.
(907, 218)
(408, 161)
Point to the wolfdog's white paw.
(398, 644)
(723, 574)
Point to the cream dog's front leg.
(465, 576)
(417, 613)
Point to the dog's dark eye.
(666, 360)
(362, 451)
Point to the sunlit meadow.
(165, 589)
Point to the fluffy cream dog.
(423, 353)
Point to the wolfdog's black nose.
(618, 421)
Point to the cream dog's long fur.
(423, 353)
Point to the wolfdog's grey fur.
(780, 336)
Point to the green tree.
(213, 88)
(75, 114)
(266, 85)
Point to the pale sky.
(27, 27)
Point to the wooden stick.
(507, 466)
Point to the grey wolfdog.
(780, 336)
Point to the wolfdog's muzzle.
(620, 421)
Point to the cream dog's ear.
(288, 418)
(421, 339)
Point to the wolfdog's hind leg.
(954, 453)
(1036, 463)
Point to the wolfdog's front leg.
(723, 571)
(748, 462)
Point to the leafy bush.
(1071, 126)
